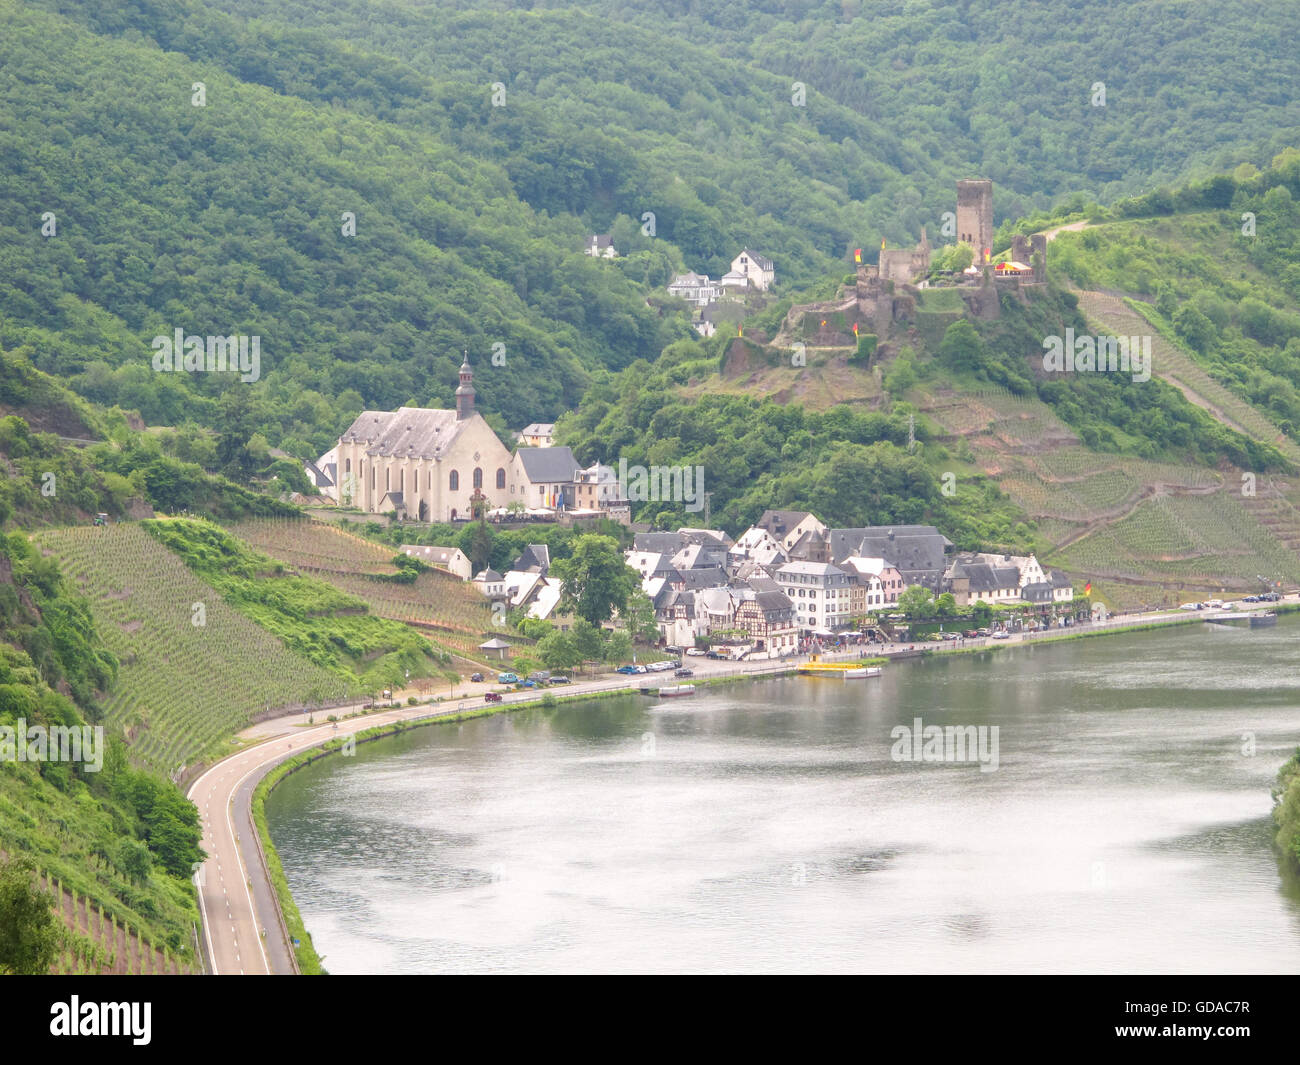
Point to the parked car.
(626, 669)
(1251, 599)
(716, 655)
(640, 669)
(507, 678)
(559, 680)
(477, 678)
(540, 675)
(492, 697)
(695, 652)
(672, 650)
(659, 667)
(970, 634)
(685, 673)
(530, 684)
(951, 636)
(983, 632)
(1271, 597)
(1002, 636)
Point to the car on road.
(695, 652)
(559, 680)
(1002, 636)
(684, 673)
(492, 697)
(477, 678)
(507, 678)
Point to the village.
(789, 584)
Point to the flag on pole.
(1087, 588)
(857, 255)
(740, 330)
(855, 328)
(882, 243)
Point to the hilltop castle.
(890, 289)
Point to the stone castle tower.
(975, 215)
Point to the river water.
(770, 827)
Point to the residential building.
(600, 246)
(451, 559)
(543, 477)
(539, 434)
(756, 270)
(821, 593)
(789, 526)
(695, 288)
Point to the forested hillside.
(229, 216)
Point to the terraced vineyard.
(166, 701)
(1113, 317)
(1147, 532)
(454, 609)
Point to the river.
(776, 826)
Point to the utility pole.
(911, 432)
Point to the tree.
(588, 641)
(981, 613)
(596, 579)
(29, 934)
(915, 602)
(558, 651)
(639, 618)
(945, 606)
(961, 347)
(619, 647)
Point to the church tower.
(465, 393)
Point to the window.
(347, 465)
(478, 477)
(501, 477)
(453, 483)
(388, 477)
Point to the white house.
(695, 288)
(539, 434)
(543, 477)
(452, 559)
(821, 593)
(600, 246)
(758, 545)
(751, 270)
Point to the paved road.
(241, 924)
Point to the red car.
(492, 697)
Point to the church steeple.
(465, 393)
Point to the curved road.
(241, 924)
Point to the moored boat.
(677, 689)
(863, 671)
